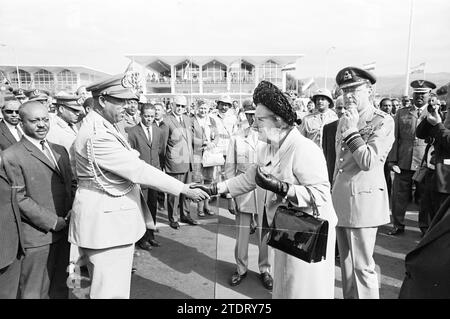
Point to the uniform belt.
(87, 183)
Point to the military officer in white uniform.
(364, 138)
(109, 213)
(312, 124)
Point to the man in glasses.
(10, 130)
(179, 158)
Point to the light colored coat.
(61, 133)
(359, 190)
(241, 155)
(109, 209)
(300, 163)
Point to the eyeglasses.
(11, 111)
(179, 105)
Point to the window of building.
(242, 72)
(270, 71)
(44, 79)
(214, 72)
(187, 72)
(67, 78)
(25, 79)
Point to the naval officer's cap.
(124, 86)
(71, 101)
(422, 86)
(353, 76)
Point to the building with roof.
(50, 77)
(209, 76)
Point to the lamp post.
(17, 65)
(408, 55)
(326, 70)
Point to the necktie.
(48, 153)
(19, 133)
(149, 134)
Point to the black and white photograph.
(224, 153)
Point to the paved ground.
(197, 261)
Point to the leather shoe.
(208, 212)
(174, 225)
(144, 245)
(267, 280)
(189, 220)
(154, 243)
(236, 278)
(396, 231)
(200, 214)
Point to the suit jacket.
(200, 138)
(44, 192)
(329, 147)
(148, 151)
(6, 138)
(179, 149)
(11, 238)
(109, 209)
(427, 266)
(164, 137)
(359, 189)
(441, 136)
(407, 150)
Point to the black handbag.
(299, 234)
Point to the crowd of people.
(84, 175)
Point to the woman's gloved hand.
(271, 183)
(210, 189)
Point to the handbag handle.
(313, 202)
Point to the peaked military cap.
(422, 86)
(180, 99)
(353, 76)
(37, 95)
(325, 93)
(19, 93)
(73, 101)
(125, 86)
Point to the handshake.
(262, 179)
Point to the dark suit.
(162, 156)
(11, 246)
(427, 266)
(179, 159)
(6, 138)
(407, 152)
(43, 193)
(149, 153)
(329, 148)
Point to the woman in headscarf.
(287, 163)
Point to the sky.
(98, 34)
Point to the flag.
(418, 68)
(370, 66)
(186, 70)
(307, 84)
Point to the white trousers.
(356, 248)
(243, 221)
(110, 271)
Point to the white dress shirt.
(13, 129)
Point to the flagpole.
(408, 58)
